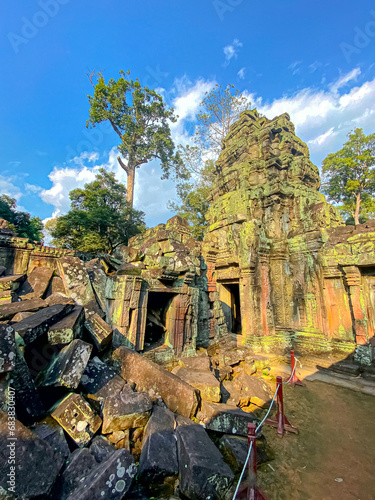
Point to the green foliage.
(220, 108)
(100, 218)
(140, 118)
(349, 177)
(21, 223)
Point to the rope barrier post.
(294, 379)
(281, 422)
(253, 492)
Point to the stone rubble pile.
(95, 421)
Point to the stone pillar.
(248, 316)
(357, 300)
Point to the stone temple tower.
(271, 248)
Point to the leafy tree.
(140, 118)
(349, 176)
(21, 223)
(100, 218)
(220, 108)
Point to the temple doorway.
(158, 305)
(230, 301)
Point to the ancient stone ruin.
(136, 374)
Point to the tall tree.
(21, 223)
(220, 108)
(349, 176)
(140, 118)
(100, 218)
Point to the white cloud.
(322, 138)
(186, 106)
(323, 118)
(295, 67)
(345, 79)
(231, 51)
(241, 73)
(32, 188)
(7, 187)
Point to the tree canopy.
(349, 176)
(140, 118)
(100, 218)
(21, 223)
(220, 108)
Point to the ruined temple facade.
(286, 268)
(277, 268)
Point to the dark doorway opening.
(230, 300)
(157, 306)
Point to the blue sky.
(314, 60)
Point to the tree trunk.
(357, 209)
(130, 186)
(130, 172)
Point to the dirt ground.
(333, 457)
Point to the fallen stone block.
(235, 449)
(12, 282)
(7, 349)
(76, 279)
(159, 448)
(77, 418)
(204, 381)
(20, 316)
(51, 432)
(29, 406)
(110, 480)
(101, 448)
(8, 311)
(7, 297)
(126, 410)
(56, 285)
(202, 363)
(30, 329)
(66, 369)
(91, 308)
(98, 279)
(36, 283)
(179, 396)
(100, 331)
(203, 472)
(33, 469)
(224, 418)
(245, 389)
(111, 388)
(59, 298)
(68, 328)
(121, 439)
(80, 465)
(96, 375)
